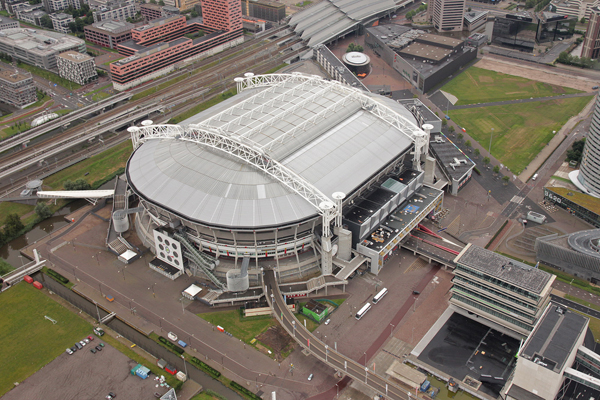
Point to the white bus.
(379, 295)
(363, 311)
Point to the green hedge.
(245, 391)
(496, 234)
(206, 368)
(57, 276)
(170, 345)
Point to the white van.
(534, 177)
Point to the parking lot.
(465, 347)
(84, 375)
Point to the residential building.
(119, 10)
(108, 33)
(52, 6)
(574, 8)
(222, 23)
(77, 67)
(264, 9)
(14, 7)
(163, 29)
(32, 15)
(7, 23)
(38, 48)
(151, 11)
(500, 289)
(587, 177)
(16, 88)
(423, 59)
(447, 15)
(591, 41)
(61, 21)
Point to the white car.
(82, 343)
(328, 321)
(172, 336)
(69, 351)
(310, 377)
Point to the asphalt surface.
(575, 306)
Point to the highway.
(334, 359)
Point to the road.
(575, 306)
(322, 351)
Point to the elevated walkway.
(348, 267)
(584, 379)
(90, 195)
(588, 359)
(18, 274)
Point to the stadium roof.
(320, 130)
(328, 19)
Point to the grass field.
(520, 130)
(244, 329)
(478, 85)
(13, 130)
(7, 207)
(98, 166)
(29, 341)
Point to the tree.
(79, 184)
(469, 10)
(444, 122)
(354, 47)
(582, 20)
(451, 129)
(12, 225)
(477, 152)
(80, 24)
(486, 161)
(468, 143)
(161, 3)
(194, 14)
(505, 180)
(409, 15)
(73, 27)
(46, 22)
(43, 211)
(496, 169)
(460, 136)
(576, 151)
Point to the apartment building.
(108, 33)
(61, 21)
(77, 67)
(118, 10)
(17, 89)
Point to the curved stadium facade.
(250, 181)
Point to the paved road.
(575, 306)
(322, 351)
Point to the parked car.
(74, 349)
(86, 340)
(69, 351)
(594, 87)
(157, 395)
(99, 331)
(79, 346)
(310, 377)
(111, 394)
(447, 117)
(82, 343)
(99, 348)
(91, 338)
(172, 336)
(328, 321)
(93, 351)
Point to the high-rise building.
(264, 9)
(76, 67)
(223, 15)
(447, 15)
(17, 88)
(587, 177)
(591, 42)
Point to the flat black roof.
(447, 154)
(554, 337)
(518, 393)
(506, 269)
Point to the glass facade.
(497, 282)
(497, 293)
(491, 311)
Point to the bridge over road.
(336, 360)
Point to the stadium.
(295, 172)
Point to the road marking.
(517, 199)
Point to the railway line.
(160, 100)
(166, 97)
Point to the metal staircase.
(201, 262)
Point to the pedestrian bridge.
(76, 194)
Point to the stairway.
(195, 256)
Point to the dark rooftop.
(453, 161)
(423, 109)
(554, 336)
(518, 393)
(506, 269)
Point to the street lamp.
(184, 365)
(365, 353)
(294, 325)
(326, 347)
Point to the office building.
(38, 48)
(61, 21)
(581, 205)
(264, 9)
(53, 6)
(163, 29)
(77, 67)
(17, 89)
(423, 59)
(587, 177)
(7, 23)
(591, 41)
(151, 11)
(575, 9)
(119, 10)
(500, 289)
(447, 15)
(475, 20)
(108, 33)
(222, 23)
(31, 16)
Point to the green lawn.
(310, 324)
(29, 341)
(520, 130)
(7, 207)
(98, 166)
(13, 130)
(52, 77)
(478, 85)
(100, 96)
(244, 329)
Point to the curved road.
(321, 350)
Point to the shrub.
(245, 391)
(171, 346)
(477, 171)
(206, 368)
(57, 276)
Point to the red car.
(90, 337)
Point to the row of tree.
(409, 15)
(568, 59)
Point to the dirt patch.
(486, 79)
(278, 340)
(559, 78)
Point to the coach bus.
(363, 311)
(379, 295)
